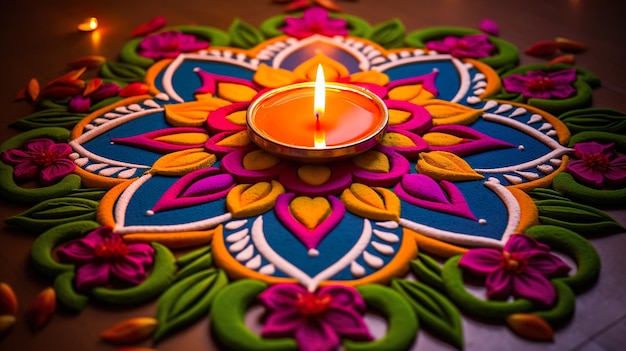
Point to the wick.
(317, 115)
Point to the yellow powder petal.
(314, 175)
(184, 138)
(441, 139)
(397, 139)
(235, 92)
(443, 165)
(398, 116)
(373, 203)
(373, 161)
(273, 77)
(236, 140)
(373, 77)
(237, 117)
(182, 162)
(190, 114)
(310, 212)
(246, 200)
(332, 69)
(259, 160)
(444, 112)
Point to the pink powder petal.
(585, 174)
(489, 26)
(534, 286)
(130, 269)
(481, 261)
(79, 103)
(347, 322)
(281, 296)
(343, 296)
(312, 335)
(77, 251)
(281, 323)
(499, 284)
(547, 264)
(25, 170)
(60, 168)
(95, 273)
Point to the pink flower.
(470, 46)
(542, 85)
(169, 45)
(315, 320)
(489, 26)
(315, 21)
(597, 165)
(102, 255)
(521, 269)
(40, 158)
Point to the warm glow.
(319, 105)
(89, 25)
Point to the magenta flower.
(315, 320)
(315, 21)
(597, 165)
(542, 85)
(169, 45)
(102, 255)
(40, 158)
(469, 46)
(521, 269)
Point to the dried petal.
(134, 89)
(130, 331)
(6, 322)
(148, 27)
(21, 95)
(530, 326)
(92, 86)
(297, 5)
(33, 89)
(134, 349)
(566, 59)
(328, 5)
(544, 48)
(8, 300)
(69, 76)
(489, 26)
(90, 61)
(42, 309)
(569, 45)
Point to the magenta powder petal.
(343, 296)
(534, 286)
(520, 242)
(547, 264)
(585, 174)
(56, 171)
(481, 261)
(489, 26)
(38, 145)
(499, 284)
(79, 103)
(616, 174)
(281, 296)
(129, 269)
(312, 335)
(315, 20)
(77, 251)
(281, 323)
(95, 273)
(347, 322)
(106, 90)
(25, 170)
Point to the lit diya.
(317, 121)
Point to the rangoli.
(149, 188)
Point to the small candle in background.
(89, 25)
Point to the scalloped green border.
(228, 314)
(357, 26)
(41, 251)
(568, 186)
(508, 54)
(216, 37)
(10, 190)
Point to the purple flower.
(40, 158)
(315, 320)
(315, 21)
(597, 165)
(542, 85)
(169, 45)
(102, 255)
(470, 46)
(521, 269)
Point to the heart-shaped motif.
(314, 175)
(309, 220)
(310, 212)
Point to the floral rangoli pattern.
(470, 176)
